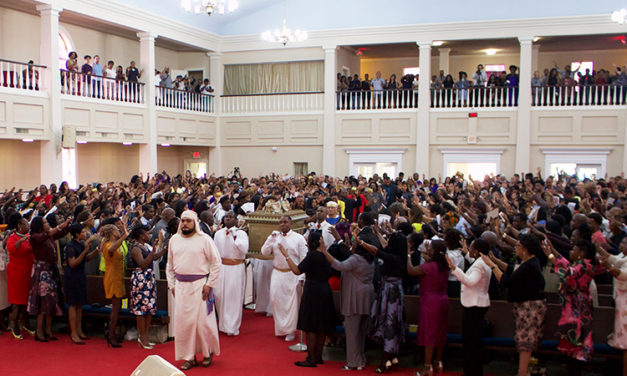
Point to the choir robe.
(284, 289)
(229, 293)
(195, 331)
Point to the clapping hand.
(488, 260)
(283, 250)
(450, 263)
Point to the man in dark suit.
(391, 190)
(366, 234)
(206, 222)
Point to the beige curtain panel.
(294, 77)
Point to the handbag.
(4, 259)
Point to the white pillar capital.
(214, 55)
(425, 45)
(147, 36)
(444, 50)
(49, 9)
(526, 40)
(330, 49)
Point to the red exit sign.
(196, 154)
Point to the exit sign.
(472, 139)
(196, 154)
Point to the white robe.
(229, 293)
(324, 227)
(195, 331)
(262, 274)
(284, 290)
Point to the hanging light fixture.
(620, 16)
(210, 6)
(284, 36)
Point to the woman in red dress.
(19, 269)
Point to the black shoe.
(320, 361)
(306, 363)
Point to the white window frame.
(376, 155)
(471, 155)
(584, 156)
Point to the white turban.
(193, 216)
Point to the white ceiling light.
(81, 142)
(127, 143)
(437, 43)
(210, 6)
(490, 51)
(284, 36)
(165, 145)
(27, 140)
(535, 39)
(620, 16)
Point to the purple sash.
(196, 277)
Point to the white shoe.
(290, 337)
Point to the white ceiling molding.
(374, 155)
(589, 156)
(471, 155)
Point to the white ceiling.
(256, 16)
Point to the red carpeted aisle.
(256, 351)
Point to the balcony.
(302, 102)
(103, 89)
(22, 76)
(577, 96)
(184, 100)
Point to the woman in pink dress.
(434, 303)
(574, 328)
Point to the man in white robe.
(321, 225)
(229, 293)
(284, 289)
(193, 269)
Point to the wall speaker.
(154, 365)
(69, 137)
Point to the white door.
(366, 169)
(589, 171)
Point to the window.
(66, 45)
(300, 168)
(582, 171)
(367, 162)
(475, 161)
(494, 69)
(583, 162)
(413, 70)
(582, 66)
(477, 170)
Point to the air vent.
(22, 130)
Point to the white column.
(523, 131)
(51, 160)
(534, 58)
(216, 78)
(148, 151)
(424, 109)
(444, 60)
(328, 138)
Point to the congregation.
(376, 240)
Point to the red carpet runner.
(256, 351)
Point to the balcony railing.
(272, 102)
(376, 99)
(581, 95)
(76, 84)
(184, 100)
(474, 96)
(22, 76)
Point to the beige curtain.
(293, 77)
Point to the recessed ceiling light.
(536, 39)
(165, 145)
(81, 142)
(127, 143)
(27, 140)
(437, 43)
(490, 51)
